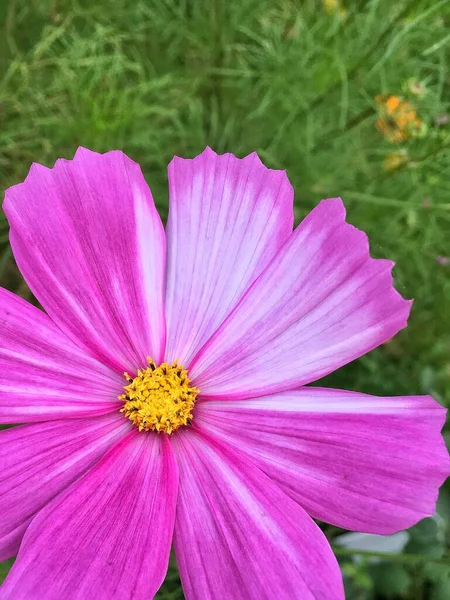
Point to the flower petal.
(91, 246)
(41, 460)
(43, 374)
(359, 462)
(238, 536)
(227, 219)
(321, 303)
(108, 536)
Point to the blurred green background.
(352, 98)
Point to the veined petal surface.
(43, 374)
(108, 536)
(227, 219)
(40, 460)
(90, 244)
(360, 462)
(321, 303)
(239, 537)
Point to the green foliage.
(4, 569)
(297, 83)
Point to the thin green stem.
(411, 558)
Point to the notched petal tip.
(337, 203)
(208, 154)
(255, 158)
(82, 154)
(401, 306)
(337, 209)
(36, 170)
(257, 163)
(86, 155)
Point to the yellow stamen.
(394, 160)
(159, 398)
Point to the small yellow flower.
(330, 6)
(394, 160)
(333, 6)
(397, 120)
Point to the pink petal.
(108, 536)
(239, 537)
(41, 460)
(91, 246)
(43, 374)
(321, 303)
(356, 461)
(227, 219)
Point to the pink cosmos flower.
(211, 439)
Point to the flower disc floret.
(159, 398)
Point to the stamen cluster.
(159, 398)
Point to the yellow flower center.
(159, 398)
